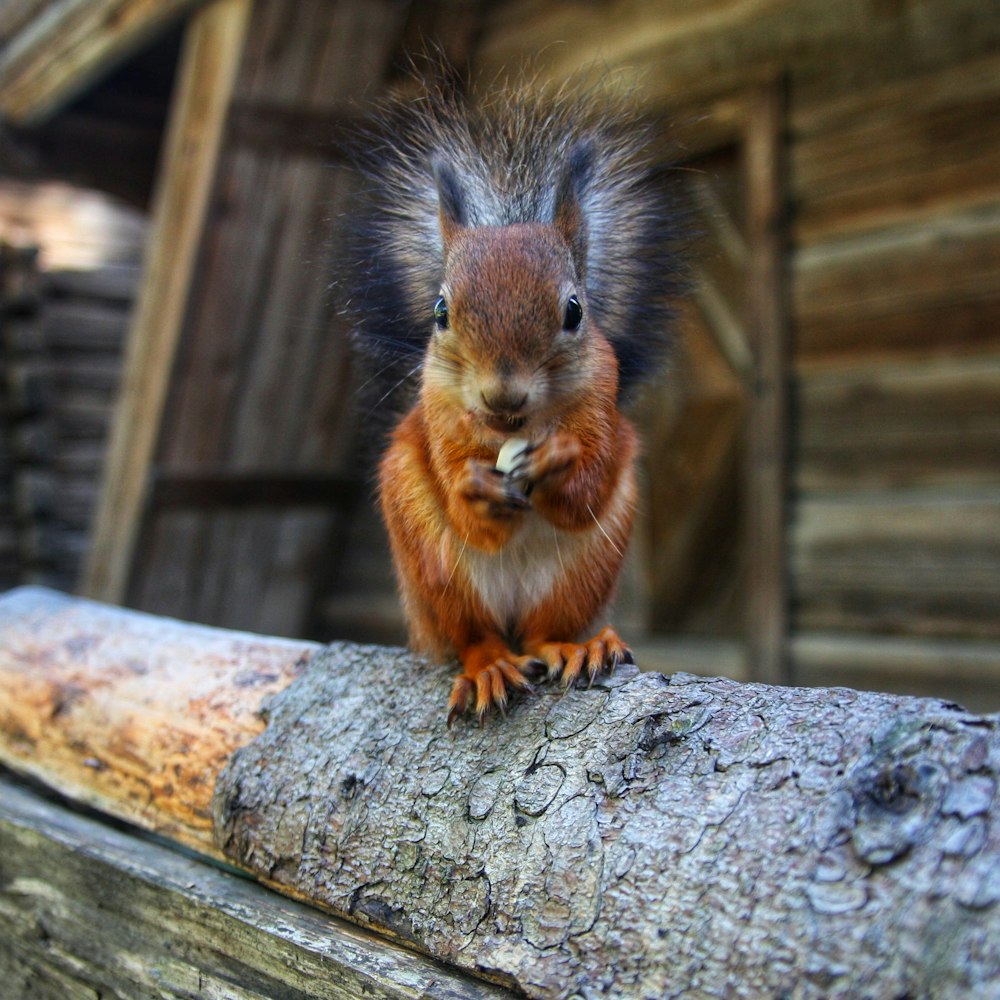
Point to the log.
(131, 713)
(646, 836)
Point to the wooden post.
(766, 453)
(213, 47)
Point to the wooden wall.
(893, 196)
(892, 193)
(66, 291)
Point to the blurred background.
(178, 428)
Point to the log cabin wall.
(893, 230)
(68, 275)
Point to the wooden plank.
(871, 175)
(172, 926)
(925, 287)
(950, 258)
(56, 54)
(925, 562)
(688, 50)
(691, 465)
(872, 426)
(264, 380)
(958, 83)
(962, 670)
(934, 330)
(767, 428)
(212, 50)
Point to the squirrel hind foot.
(486, 683)
(605, 651)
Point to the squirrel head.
(514, 346)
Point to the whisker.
(368, 381)
(454, 568)
(555, 539)
(590, 511)
(413, 371)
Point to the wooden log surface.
(648, 836)
(131, 713)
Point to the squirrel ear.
(568, 215)
(452, 213)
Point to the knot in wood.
(896, 804)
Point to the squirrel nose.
(508, 403)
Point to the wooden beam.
(227, 489)
(64, 46)
(767, 324)
(175, 927)
(212, 52)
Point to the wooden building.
(824, 459)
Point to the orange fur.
(503, 577)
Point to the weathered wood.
(691, 425)
(87, 910)
(263, 382)
(965, 670)
(686, 50)
(765, 474)
(62, 47)
(950, 258)
(131, 713)
(214, 44)
(899, 425)
(648, 836)
(890, 152)
(922, 562)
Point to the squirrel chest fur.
(532, 244)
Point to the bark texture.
(650, 836)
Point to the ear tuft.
(568, 215)
(452, 211)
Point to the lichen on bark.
(649, 836)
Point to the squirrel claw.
(489, 687)
(570, 659)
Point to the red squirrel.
(517, 259)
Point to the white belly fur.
(523, 573)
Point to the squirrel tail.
(510, 154)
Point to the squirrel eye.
(574, 314)
(441, 313)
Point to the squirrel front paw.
(490, 672)
(545, 464)
(490, 492)
(569, 659)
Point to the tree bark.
(650, 836)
